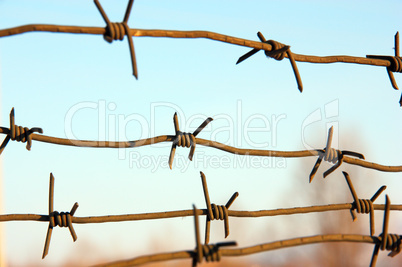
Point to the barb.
(363, 205)
(210, 252)
(216, 212)
(278, 52)
(19, 133)
(237, 151)
(391, 242)
(185, 139)
(63, 219)
(331, 155)
(395, 64)
(118, 30)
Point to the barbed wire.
(385, 241)
(212, 211)
(189, 140)
(214, 252)
(117, 31)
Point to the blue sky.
(81, 85)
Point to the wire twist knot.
(219, 212)
(211, 252)
(363, 206)
(116, 31)
(332, 155)
(278, 51)
(62, 219)
(392, 243)
(396, 64)
(185, 139)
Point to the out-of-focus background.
(80, 87)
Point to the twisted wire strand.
(186, 213)
(214, 253)
(236, 252)
(230, 149)
(191, 34)
(114, 31)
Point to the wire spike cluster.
(117, 31)
(185, 139)
(216, 212)
(278, 52)
(19, 133)
(63, 219)
(386, 241)
(210, 252)
(395, 64)
(363, 205)
(331, 155)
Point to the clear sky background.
(79, 86)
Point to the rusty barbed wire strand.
(66, 219)
(117, 31)
(341, 156)
(190, 254)
(186, 213)
(215, 253)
